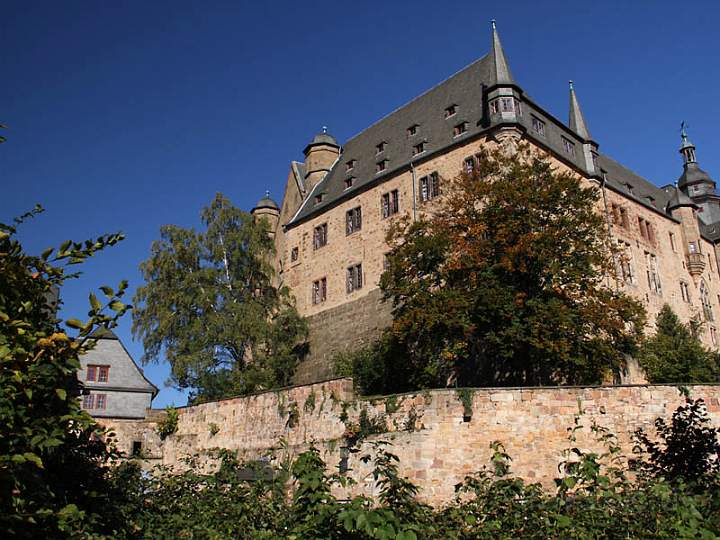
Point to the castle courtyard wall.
(438, 439)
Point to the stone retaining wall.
(437, 438)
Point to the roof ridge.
(406, 104)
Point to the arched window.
(705, 301)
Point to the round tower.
(320, 155)
(269, 210)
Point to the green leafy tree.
(211, 305)
(52, 480)
(675, 354)
(507, 282)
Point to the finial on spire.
(493, 23)
(571, 84)
(324, 129)
(267, 193)
(683, 131)
(501, 71)
(577, 120)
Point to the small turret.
(267, 209)
(684, 209)
(503, 95)
(320, 155)
(579, 126)
(696, 183)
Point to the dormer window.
(380, 148)
(349, 182)
(380, 166)
(418, 148)
(350, 165)
(650, 200)
(319, 198)
(568, 146)
(450, 111)
(460, 129)
(629, 188)
(412, 130)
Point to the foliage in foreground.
(595, 496)
(210, 304)
(675, 354)
(506, 283)
(52, 484)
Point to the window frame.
(320, 240)
(354, 278)
(390, 203)
(353, 220)
(318, 292)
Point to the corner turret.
(579, 126)
(502, 94)
(320, 155)
(267, 209)
(696, 183)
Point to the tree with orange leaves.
(509, 281)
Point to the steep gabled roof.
(464, 90)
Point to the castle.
(330, 229)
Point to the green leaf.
(74, 323)
(95, 303)
(116, 305)
(107, 291)
(46, 253)
(62, 394)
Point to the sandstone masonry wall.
(430, 431)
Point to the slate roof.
(465, 90)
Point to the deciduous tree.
(211, 306)
(507, 282)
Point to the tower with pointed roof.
(267, 209)
(503, 95)
(696, 183)
(579, 126)
(320, 155)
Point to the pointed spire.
(687, 149)
(501, 71)
(577, 120)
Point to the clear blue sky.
(125, 116)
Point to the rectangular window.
(100, 401)
(672, 241)
(685, 291)
(450, 111)
(646, 230)
(568, 146)
(429, 187)
(692, 247)
(538, 126)
(320, 236)
(87, 402)
(713, 335)
(294, 252)
(350, 165)
(380, 166)
(653, 276)
(506, 104)
(390, 203)
(494, 106)
(319, 291)
(97, 373)
(418, 149)
(353, 220)
(319, 198)
(630, 189)
(518, 107)
(627, 271)
(460, 129)
(349, 182)
(354, 278)
(710, 262)
(380, 148)
(412, 130)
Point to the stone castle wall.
(437, 438)
(347, 327)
